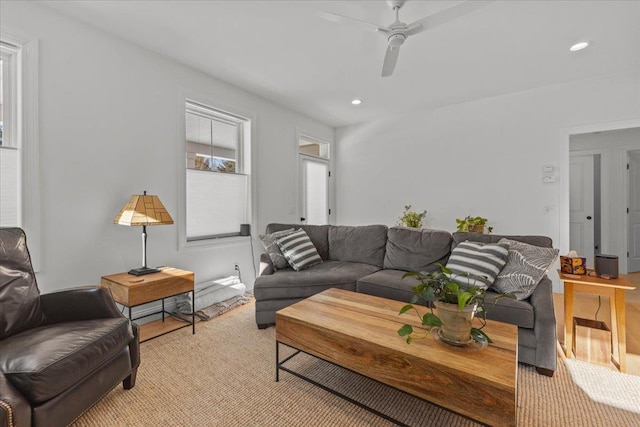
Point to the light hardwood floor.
(585, 306)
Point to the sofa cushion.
(387, 284)
(416, 250)
(477, 264)
(18, 288)
(288, 283)
(461, 236)
(509, 310)
(298, 249)
(275, 254)
(317, 234)
(364, 244)
(526, 266)
(45, 361)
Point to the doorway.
(604, 195)
(314, 181)
(633, 173)
(584, 205)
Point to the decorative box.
(573, 265)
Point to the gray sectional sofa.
(372, 259)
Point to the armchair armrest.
(15, 410)
(266, 265)
(81, 303)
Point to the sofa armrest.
(266, 265)
(545, 325)
(81, 303)
(15, 410)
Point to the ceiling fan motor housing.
(395, 3)
(396, 39)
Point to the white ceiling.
(282, 51)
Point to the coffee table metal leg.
(277, 361)
(193, 312)
(330, 390)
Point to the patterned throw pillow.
(299, 250)
(526, 266)
(269, 242)
(480, 261)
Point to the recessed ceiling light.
(578, 46)
(356, 101)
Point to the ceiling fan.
(398, 31)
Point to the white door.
(581, 208)
(633, 263)
(315, 190)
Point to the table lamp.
(143, 210)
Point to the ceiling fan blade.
(445, 16)
(364, 25)
(390, 59)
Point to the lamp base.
(143, 270)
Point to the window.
(313, 147)
(10, 154)
(217, 187)
(19, 153)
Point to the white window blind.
(9, 187)
(216, 204)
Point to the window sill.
(224, 240)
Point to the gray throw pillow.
(477, 264)
(299, 250)
(526, 266)
(270, 245)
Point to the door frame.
(627, 187)
(563, 203)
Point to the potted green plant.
(473, 224)
(456, 306)
(411, 218)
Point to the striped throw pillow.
(299, 250)
(478, 264)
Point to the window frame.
(243, 165)
(25, 133)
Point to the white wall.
(483, 157)
(109, 120)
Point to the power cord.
(253, 259)
(599, 303)
(237, 268)
(253, 256)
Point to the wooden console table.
(612, 288)
(132, 291)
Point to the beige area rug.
(224, 375)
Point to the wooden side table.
(132, 291)
(612, 288)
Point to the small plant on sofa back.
(411, 218)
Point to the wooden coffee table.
(359, 332)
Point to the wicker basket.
(476, 228)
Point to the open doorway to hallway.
(605, 195)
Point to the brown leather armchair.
(59, 352)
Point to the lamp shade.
(143, 210)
